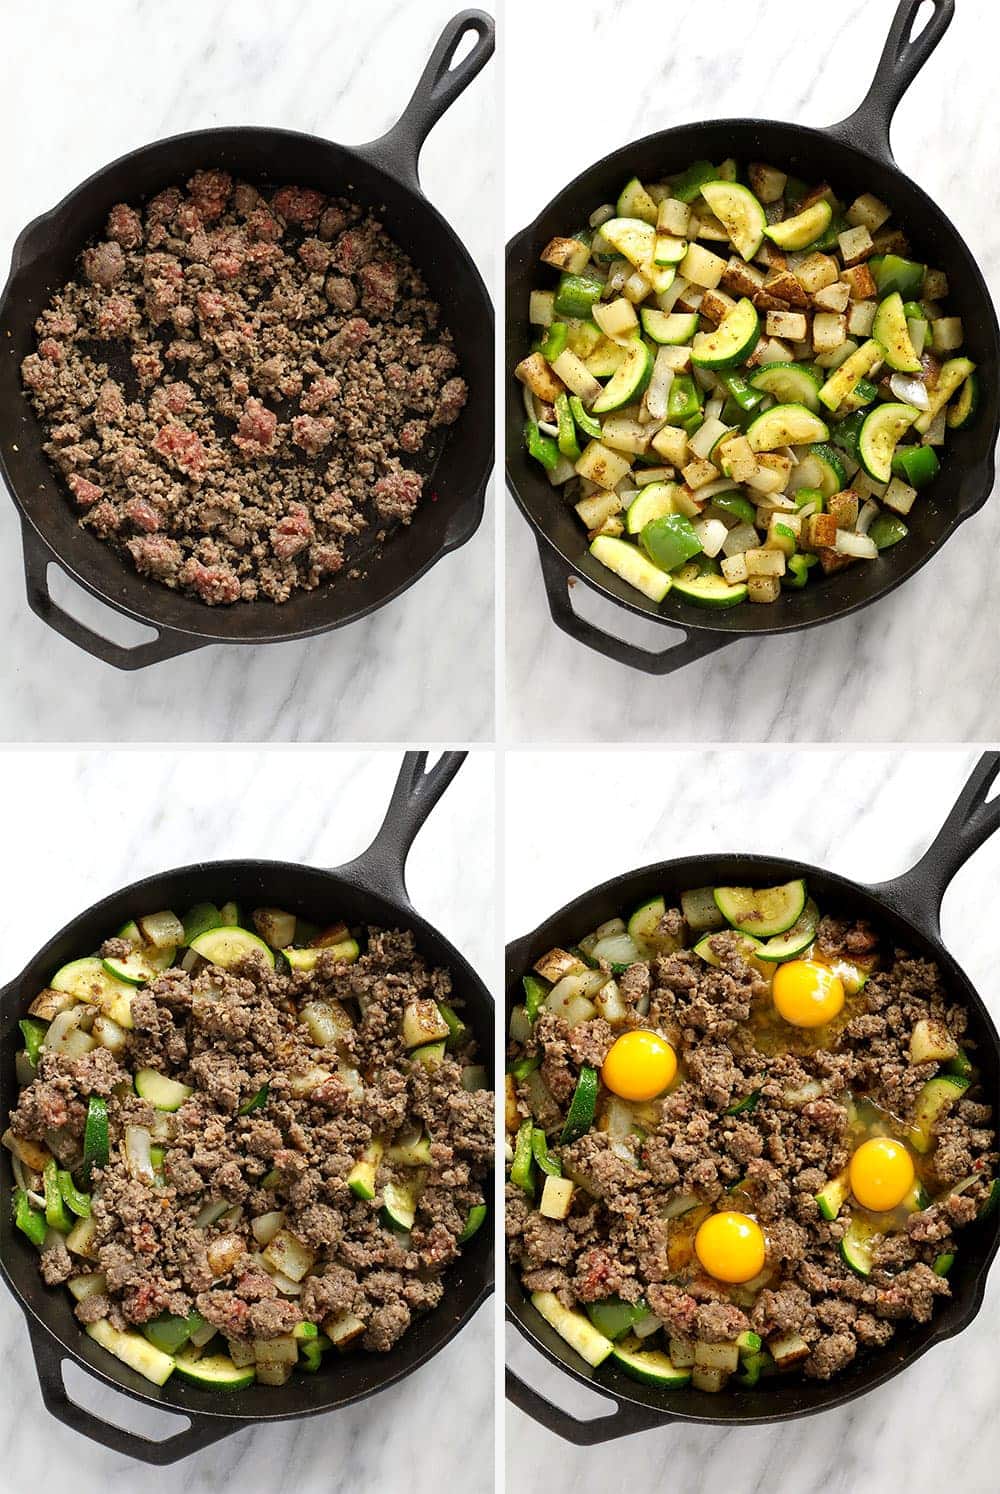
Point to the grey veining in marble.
(115, 75)
(921, 665)
(130, 814)
(868, 816)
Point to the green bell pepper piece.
(311, 1351)
(847, 432)
(55, 1209)
(585, 422)
(670, 541)
(525, 1066)
(33, 1033)
(521, 1168)
(739, 390)
(917, 464)
(200, 918)
(576, 294)
(685, 188)
(914, 312)
(169, 1332)
(683, 401)
(550, 1165)
(535, 992)
(892, 272)
(886, 530)
(569, 446)
(95, 1135)
(473, 1221)
(542, 448)
(76, 1201)
(458, 1033)
(736, 506)
(255, 1102)
(943, 1263)
(30, 1221)
(797, 569)
(810, 495)
(555, 341)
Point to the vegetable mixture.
(737, 382)
(244, 1148)
(742, 1137)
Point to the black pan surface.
(383, 175)
(371, 889)
(854, 156)
(910, 907)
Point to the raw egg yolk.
(639, 1065)
(807, 994)
(730, 1246)
(881, 1174)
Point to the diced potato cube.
(855, 245)
(771, 256)
(678, 358)
(511, 1114)
(764, 588)
(782, 532)
(702, 267)
(602, 465)
(557, 1198)
(866, 211)
(622, 433)
(734, 568)
(673, 217)
(739, 461)
(786, 324)
(566, 254)
(859, 280)
(725, 1357)
(613, 527)
(686, 503)
(557, 963)
(595, 510)
(931, 1042)
(829, 331)
(541, 308)
(715, 304)
(860, 318)
(671, 443)
(891, 241)
(766, 182)
(616, 319)
(817, 271)
(536, 373)
(771, 350)
(820, 530)
(946, 334)
(741, 279)
(899, 496)
(288, 1254)
(934, 286)
(844, 508)
(771, 473)
(423, 1023)
(833, 297)
(783, 285)
(788, 1349)
(764, 562)
(636, 287)
(697, 473)
(690, 298)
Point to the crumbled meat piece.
(397, 494)
(104, 265)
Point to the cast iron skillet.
(910, 907)
(371, 889)
(382, 174)
(855, 156)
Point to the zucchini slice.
(635, 202)
(821, 468)
(632, 566)
(636, 242)
(799, 232)
(963, 411)
(933, 1102)
(952, 375)
(786, 425)
(614, 1318)
(795, 940)
(856, 1246)
(140, 965)
(762, 911)
(643, 924)
(582, 1107)
(134, 1350)
(789, 384)
(362, 1177)
(652, 1367)
(703, 949)
(890, 330)
(88, 981)
(628, 381)
(228, 946)
(733, 340)
(668, 327)
(880, 435)
(214, 1371)
(740, 214)
(399, 1206)
(831, 1197)
(656, 501)
(707, 590)
(843, 379)
(580, 1334)
(161, 1092)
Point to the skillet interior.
(967, 465)
(316, 895)
(979, 1241)
(44, 259)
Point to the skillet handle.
(556, 575)
(382, 868)
(200, 1434)
(398, 151)
(37, 559)
(623, 1422)
(919, 892)
(901, 61)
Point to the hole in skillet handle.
(574, 1413)
(157, 1445)
(906, 50)
(558, 580)
(446, 76)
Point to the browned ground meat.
(205, 378)
(615, 1240)
(227, 1034)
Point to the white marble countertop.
(124, 72)
(913, 666)
(137, 813)
(869, 818)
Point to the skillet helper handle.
(556, 575)
(398, 151)
(199, 1435)
(37, 559)
(919, 892)
(624, 1422)
(901, 61)
(382, 868)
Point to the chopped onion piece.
(210, 1212)
(869, 510)
(603, 214)
(137, 1143)
(658, 390)
(910, 390)
(857, 546)
(712, 534)
(934, 435)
